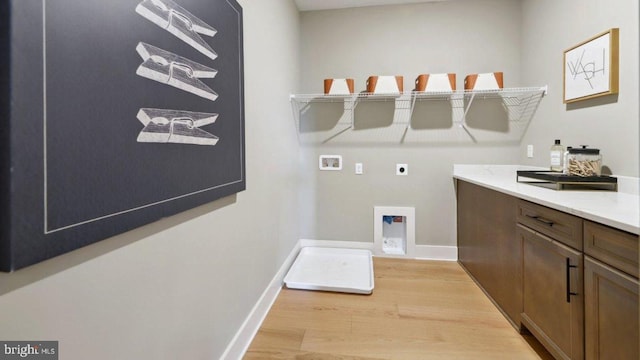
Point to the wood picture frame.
(591, 68)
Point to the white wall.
(463, 37)
(609, 123)
(180, 288)
(524, 39)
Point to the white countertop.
(619, 209)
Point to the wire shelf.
(318, 122)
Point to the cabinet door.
(553, 298)
(488, 247)
(611, 313)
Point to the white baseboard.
(422, 252)
(336, 244)
(434, 252)
(241, 341)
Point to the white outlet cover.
(402, 169)
(359, 169)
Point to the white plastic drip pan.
(331, 269)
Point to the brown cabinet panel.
(553, 294)
(488, 247)
(611, 313)
(562, 227)
(611, 246)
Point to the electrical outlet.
(402, 169)
(529, 151)
(359, 169)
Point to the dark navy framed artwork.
(115, 114)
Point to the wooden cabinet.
(553, 296)
(571, 282)
(552, 278)
(488, 248)
(611, 293)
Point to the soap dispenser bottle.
(557, 154)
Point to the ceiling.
(306, 5)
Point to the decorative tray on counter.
(559, 181)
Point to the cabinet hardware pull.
(541, 219)
(569, 293)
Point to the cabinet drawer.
(560, 226)
(611, 246)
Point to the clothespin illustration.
(174, 70)
(175, 126)
(179, 22)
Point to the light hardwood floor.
(418, 310)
